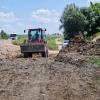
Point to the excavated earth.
(69, 76)
(8, 50)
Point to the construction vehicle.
(37, 43)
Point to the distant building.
(13, 36)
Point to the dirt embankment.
(67, 77)
(8, 50)
(87, 75)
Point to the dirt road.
(49, 79)
(45, 79)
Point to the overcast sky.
(17, 15)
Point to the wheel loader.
(37, 43)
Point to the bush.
(20, 40)
(3, 35)
(52, 43)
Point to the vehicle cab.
(37, 35)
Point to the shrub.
(52, 43)
(3, 35)
(19, 41)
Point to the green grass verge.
(21, 39)
(52, 43)
(95, 61)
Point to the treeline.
(3, 35)
(85, 19)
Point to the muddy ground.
(70, 78)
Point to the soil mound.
(77, 54)
(82, 46)
(8, 50)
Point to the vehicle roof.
(37, 28)
(66, 40)
(13, 35)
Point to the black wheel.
(30, 55)
(44, 54)
(27, 55)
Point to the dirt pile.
(77, 50)
(8, 50)
(82, 46)
(86, 75)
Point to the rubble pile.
(83, 48)
(78, 50)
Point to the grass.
(21, 39)
(93, 36)
(95, 61)
(51, 41)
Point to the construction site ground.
(61, 76)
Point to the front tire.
(27, 55)
(45, 54)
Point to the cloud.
(47, 18)
(45, 15)
(10, 22)
(17, 27)
(8, 17)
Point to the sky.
(17, 15)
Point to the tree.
(3, 35)
(89, 14)
(96, 9)
(72, 21)
(92, 14)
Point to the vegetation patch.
(52, 43)
(95, 60)
(3, 35)
(21, 40)
(93, 36)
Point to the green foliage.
(3, 35)
(95, 61)
(92, 14)
(93, 36)
(52, 43)
(76, 19)
(21, 40)
(72, 21)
